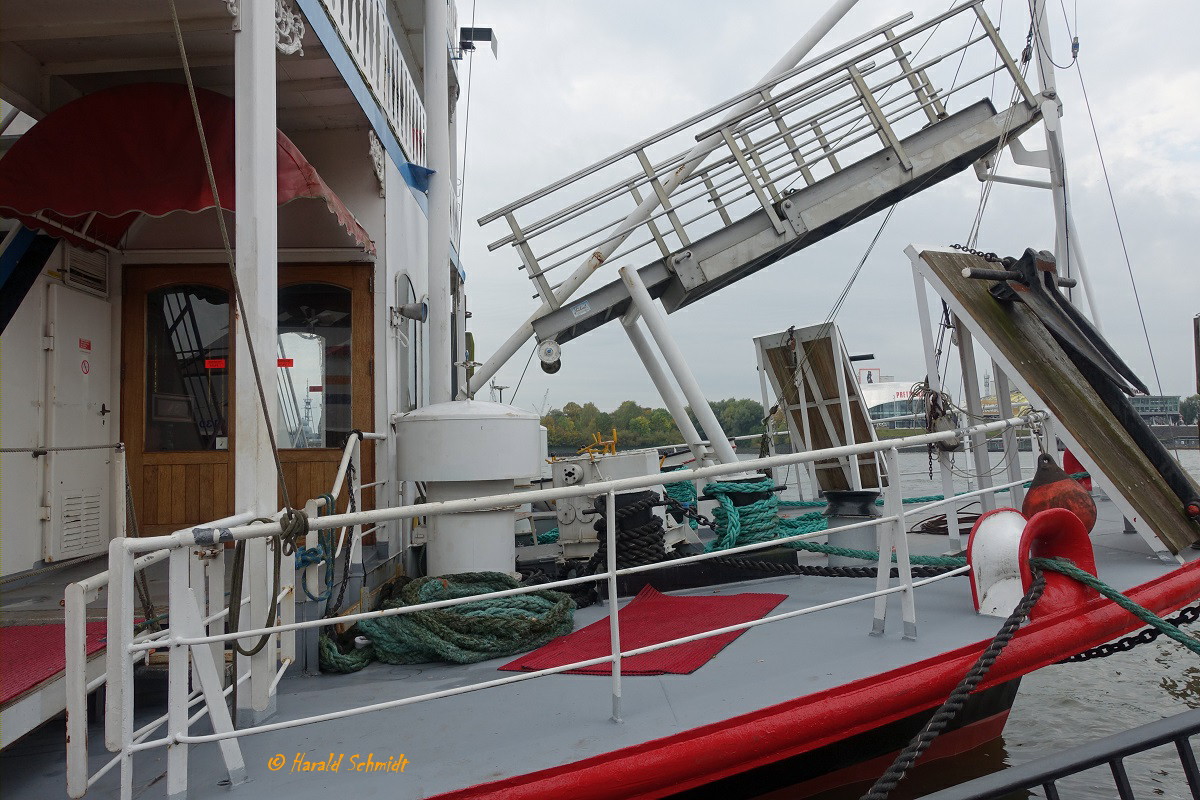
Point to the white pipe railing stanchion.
(177, 679)
(894, 507)
(614, 622)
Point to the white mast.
(437, 150)
(1067, 249)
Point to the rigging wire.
(528, 361)
(462, 181)
(237, 287)
(1120, 231)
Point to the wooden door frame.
(139, 280)
(356, 277)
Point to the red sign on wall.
(214, 363)
(286, 362)
(85, 344)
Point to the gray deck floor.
(496, 733)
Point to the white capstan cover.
(468, 440)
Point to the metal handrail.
(1111, 750)
(180, 640)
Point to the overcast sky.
(577, 81)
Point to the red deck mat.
(31, 654)
(650, 618)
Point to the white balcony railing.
(369, 38)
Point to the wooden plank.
(178, 494)
(192, 495)
(207, 492)
(222, 491)
(820, 405)
(148, 511)
(1016, 338)
(162, 514)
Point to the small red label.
(316, 388)
(85, 344)
(214, 363)
(85, 366)
(286, 362)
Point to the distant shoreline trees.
(571, 427)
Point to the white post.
(614, 622)
(1012, 443)
(670, 397)
(75, 629)
(839, 353)
(769, 425)
(177, 677)
(935, 384)
(656, 321)
(978, 442)
(647, 207)
(1065, 235)
(893, 502)
(257, 246)
(437, 154)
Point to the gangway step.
(809, 214)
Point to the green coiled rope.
(462, 634)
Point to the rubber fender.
(1053, 488)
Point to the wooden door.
(326, 337)
(176, 393)
(177, 389)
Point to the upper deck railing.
(367, 33)
(809, 124)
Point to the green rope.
(462, 634)
(549, 537)
(684, 493)
(1065, 567)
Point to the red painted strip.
(701, 755)
(214, 363)
(285, 362)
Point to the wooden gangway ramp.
(1021, 345)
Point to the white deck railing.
(197, 654)
(371, 41)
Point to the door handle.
(104, 409)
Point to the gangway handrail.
(708, 112)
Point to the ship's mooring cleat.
(1053, 488)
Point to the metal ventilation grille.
(81, 522)
(87, 270)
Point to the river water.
(1070, 704)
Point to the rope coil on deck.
(462, 634)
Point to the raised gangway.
(768, 172)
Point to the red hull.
(702, 755)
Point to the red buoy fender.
(1053, 488)
(1057, 533)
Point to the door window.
(314, 389)
(187, 368)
